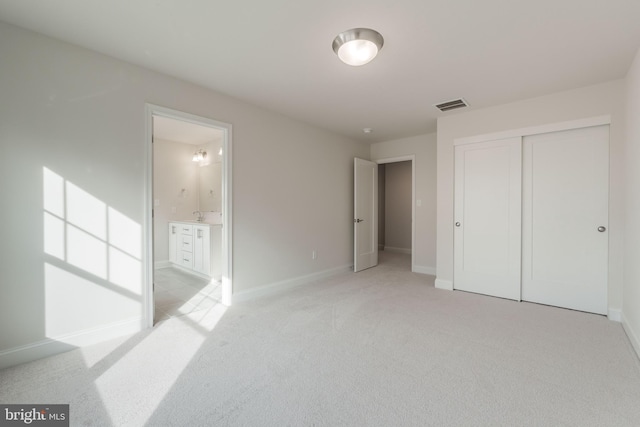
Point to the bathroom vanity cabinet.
(196, 248)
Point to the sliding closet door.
(565, 221)
(487, 229)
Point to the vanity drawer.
(186, 243)
(186, 230)
(186, 259)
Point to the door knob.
(602, 229)
(358, 220)
(457, 224)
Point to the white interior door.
(565, 217)
(487, 229)
(365, 222)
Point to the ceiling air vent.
(452, 105)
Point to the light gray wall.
(423, 147)
(631, 289)
(82, 115)
(593, 101)
(398, 206)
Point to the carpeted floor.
(382, 347)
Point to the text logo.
(34, 415)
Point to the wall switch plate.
(156, 202)
(314, 254)
(419, 202)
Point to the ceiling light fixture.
(367, 130)
(199, 155)
(357, 46)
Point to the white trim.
(227, 203)
(633, 335)
(195, 273)
(147, 223)
(412, 159)
(409, 157)
(431, 271)
(161, 264)
(406, 251)
(444, 284)
(277, 287)
(614, 314)
(536, 130)
(50, 346)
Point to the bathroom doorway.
(189, 192)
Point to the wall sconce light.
(199, 155)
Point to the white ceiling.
(277, 54)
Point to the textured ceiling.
(277, 54)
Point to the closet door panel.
(565, 201)
(487, 229)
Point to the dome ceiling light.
(357, 46)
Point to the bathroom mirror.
(187, 171)
(210, 187)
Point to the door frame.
(412, 159)
(152, 110)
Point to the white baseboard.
(397, 250)
(284, 285)
(431, 271)
(161, 264)
(444, 284)
(194, 273)
(632, 334)
(50, 346)
(614, 314)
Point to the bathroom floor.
(177, 293)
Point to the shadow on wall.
(92, 275)
(93, 266)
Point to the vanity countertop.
(194, 222)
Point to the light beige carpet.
(382, 347)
